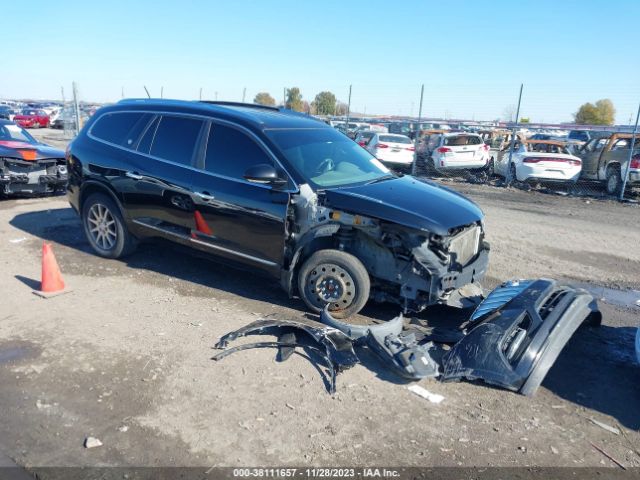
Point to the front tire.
(336, 278)
(105, 229)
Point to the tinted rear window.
(460, 140)
(394, 139)
(176, 138)
(115, 127)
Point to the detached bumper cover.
(517, 333)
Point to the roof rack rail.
(239, 104)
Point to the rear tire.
(514, 173)
(491, 168)
(336, 278)
(105, 229)
(613, 180)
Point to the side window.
(175, 139)
(115, 127)
(230, 152)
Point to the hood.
(15, 149)
(409, 202)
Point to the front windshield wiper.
(381, 179)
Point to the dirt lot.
(125, 357)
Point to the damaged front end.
(33, 176)
(412, 260)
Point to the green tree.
(602, 113)
(294, 100)
(263, 98)
(325, 103)
(525, 120)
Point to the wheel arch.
(310, 242)
(93, 186)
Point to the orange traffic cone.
(201, 225)
(51, 283)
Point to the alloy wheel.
(102, 227)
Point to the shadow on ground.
(597, 369)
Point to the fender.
(325, 230)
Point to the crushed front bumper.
(516, 334)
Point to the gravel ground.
(124, 357)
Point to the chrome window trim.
(205, 118)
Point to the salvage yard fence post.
(514, 131)
(416, 139)
(625, 178)
(76, 107)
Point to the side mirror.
(265, 174)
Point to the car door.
(239, 220)
(590, 155)
(159, 197)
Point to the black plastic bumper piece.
(515, 344)
(331, 344)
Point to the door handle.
(134, 175)
(204, 196)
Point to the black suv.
(275, 190)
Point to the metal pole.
(145, 89)
(200, 94)
(633, 146)
(244, 93)
(62, 91)
(414, 164)
(513, 140)
(348, 112)
(122, 92)
(216, 94)
(284, 97)
(76, 107)
(161, 92)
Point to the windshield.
(326, 158)
(10, 132)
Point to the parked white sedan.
(392, 149)
(543, 160)
(460, 151)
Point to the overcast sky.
(471, 55)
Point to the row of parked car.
(538, 158)
(47, 115)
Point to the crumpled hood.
(408, 201)
(14, 149)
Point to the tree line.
(324, 103)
